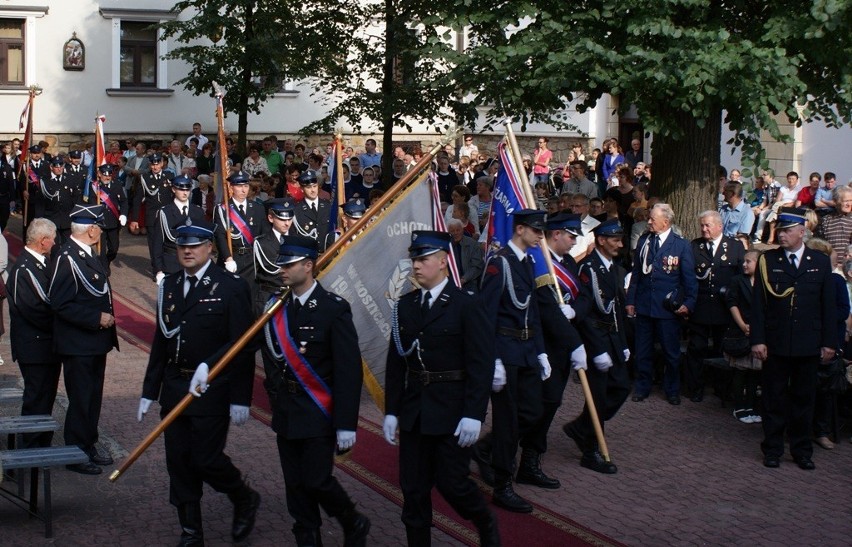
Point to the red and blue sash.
(240, 224)
(33, 177)
(567, 280)
(107, 200)
(311, 382)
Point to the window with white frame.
(18, 46)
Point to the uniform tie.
(424, 305)
(189, 290)
(793, 260)
(242, 209)
(185, 210)
(710, 246)
(314, 207)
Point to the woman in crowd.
(807, 195)
(255, 163)
(480, 204)
(204, 162)
(541, 161)
(640, 199)
(613, 158)
(113, 153)
(460, 194)
(542, 194)
(747, 368)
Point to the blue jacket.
(673, 269)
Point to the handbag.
(735, 343)
(831, 376)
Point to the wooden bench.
(10, 394)
(17, 426)
(44, 459)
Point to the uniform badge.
(95, 277)
(205, 280)
(724, 257)
(312, 303)
(303, 349)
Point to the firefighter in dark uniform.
(316, 395)
(793, 328)
(564, 348)
(267, 273)
(83, 331)
(312, 213)
(8, 185)
(201, 311)
(75, 172)
(242, 221)
(353, 211)
(718, 259)
(438, 377)
(169, 218)
(31, 176)
(602, 324)
(31, 326)
(114, 200)
(521, 363)
(154, 192)
(60, 194)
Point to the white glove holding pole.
(389, 428)
(579, 358)
(603, 362)
(144, 405)
(626, 354)
(198, 384)
(345, 440)
(499, 380)
(122, 220)
(545, 366)
(159, 277)
(568, 311)
(239, 414)
(230, 265)
(468, 431)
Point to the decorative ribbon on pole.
(223, 158)
(24, 166)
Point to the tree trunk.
(685, 170)
(388, 95)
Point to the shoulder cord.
(606, 310)
(164, 224)
(643, 255)
(86, 284)
(508, 283)
(707, 273)
(46, 193)
(149, 191)
(312, 234)
(263, 260)
(767, 287)
(396, 338)
(36, 285)
(165, 330)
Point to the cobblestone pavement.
(688, 475)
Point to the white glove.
(144, 405)
(239, 414)
(603, 362)
(389, 428)
(468, 431)
(159, 277)
(579, 358)
(499, 376)
(230, 265)
(345, 440)
(122, 220)
(545, 366)
(626, 354)
(199, 380)
(568, 311)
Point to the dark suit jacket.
(59, 198)
(718, 271)
(593, 324)
(502, 313)
(307, 221)
(119, 198)
(77, 178)
(254, 217)
(802, 324)
(77, 319)
(673, 269)
(169, 218)
(452, 337)
(155, 191)
(215, 316)
(31, 318)
(325, 325)
(472, 263)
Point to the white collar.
(238, 203)
(664, 236)
(799, 253)
(200, 273)
(716, 243)
(434, 291)
(87, 248)
(39, 257)
(607, 262)
(312, 201)
(307, 294)
(518, 252)
(181, 204)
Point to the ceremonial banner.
(440, 226)
(373, 270)
(508, 197)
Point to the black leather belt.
(520, 334)
(242, 250)
(605, 325)
(426, 377)
(186, 373)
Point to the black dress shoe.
(530, 472)
(771, 461)
(639, 398)
(805, 463)
(574, 435)
(100, 459)
(674, 400)
(486, 472)
(504, 496)
(594, 461)
(87, 468)
(355, 528)
(245, 512)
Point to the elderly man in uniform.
(662, 292)
(438, 377)
(718, 258)
(201, 311)
(170, 217)
(602, 325)
(59, 194)
(242, 221)
(562, 343)
(114, 200)
(521, 363)
(312, 213)
(154, 192)
(83, 331)
(792, 330)
(317, 395)
(31, 326)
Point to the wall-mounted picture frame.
(74, 54)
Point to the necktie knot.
(710, 247)
(793, 259)
(185, 210)
(191, 279)
(242, 208)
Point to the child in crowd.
(746, 368)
